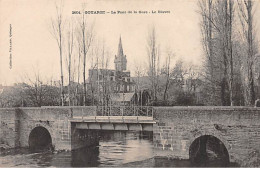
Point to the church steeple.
(120, 48)
(120, 58)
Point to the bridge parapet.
(113, 119)
(75, 110)
(125, 111)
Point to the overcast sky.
(33, 47)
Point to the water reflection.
(116, 149)
(86, 157)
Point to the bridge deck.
(113, 119)
(123, 123)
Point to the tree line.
(229, 38)
(229, 76)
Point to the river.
(115, 149)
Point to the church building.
(116, 83)
(120, 59)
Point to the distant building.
(122, 98)
(120, 59)
(1, 88)
(117, 81)
(113, 82)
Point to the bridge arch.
(207, 150)
(40, 138)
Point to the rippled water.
(116, 149)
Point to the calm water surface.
(116, 149)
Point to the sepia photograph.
(129, 84)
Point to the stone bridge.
(177, 131)
(178, 128)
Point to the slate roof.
(121, 97)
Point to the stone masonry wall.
(177, 127)
(9, 128)
(17, 124)
(55, 120)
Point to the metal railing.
(125, 111)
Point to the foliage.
(24, 95)
(230, 47)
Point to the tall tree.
(70, 46)
(153, 56)
(206, 11)
(79, 63)
(230, 15)
(86, 39)
(106, 83)
(57, 24)
(209, 30)
(93, 67)
(167, 72)
(217, 27)
(246, 19)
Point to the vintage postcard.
(130, 83)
